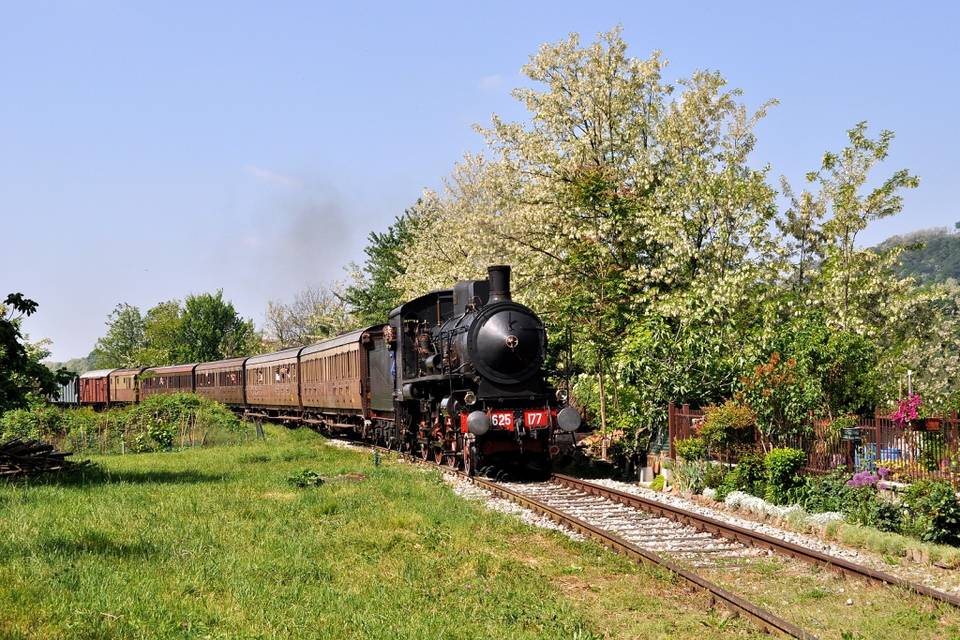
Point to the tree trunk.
(603, 412)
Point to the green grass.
(217, 543)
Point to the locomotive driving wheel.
(424, 450)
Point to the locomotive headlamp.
(478, 423)
(470, 398)
(568, 419)
(562, 396)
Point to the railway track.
(676, 539)
(535, 496)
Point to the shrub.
(933, 513)
(825, 493)
(658, 483)
(691, 449)
(783, 474)
(714, 475)
(40, 422)
(748, 476)
(727, 425)
(863, 505)
(689, 476)
(306, 478)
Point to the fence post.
(953, 447)
(670, 427)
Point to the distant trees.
(204, 327)
(314, 314)
(123, 344)
(930, 256)
(22, 375)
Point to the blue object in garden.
(865, 457)
(890, 453)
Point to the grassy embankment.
(216, 543)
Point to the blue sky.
(148, 151)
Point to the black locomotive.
(469, 377)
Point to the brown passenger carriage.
(335, 380)
(221, 381)
(176, 378)
(271, 380)
(124, 385)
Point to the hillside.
(931, 255)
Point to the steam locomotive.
(456, 375)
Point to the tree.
(123, 343)
(22, 375)
(163, 326)
(375, 290)
(627, 209)
(211, 329)
(316, 313)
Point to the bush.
(727, 425)
(863, 505)
(658, 483)
(691, 449)
(933, 513)
(825, 493)
(748, 476)
(689, 476)
(714, 475)
(306, 478)
(783, 474)
(40, 422)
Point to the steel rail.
(766, 620)
(752, 538)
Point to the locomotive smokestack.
(499, 278)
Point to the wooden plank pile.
(19, 457)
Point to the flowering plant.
(908, 409)
(863, 479)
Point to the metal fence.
(926, 449)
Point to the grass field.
(217, 543)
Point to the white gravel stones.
(470, 491)
(946, 580)
(659, 535)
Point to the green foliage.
(124, 341)
(781, 396)
(689, 476)
(825, 492)
(930, 256)
(203, 329)
(305, 478)
(715, 475)
(865, 506)
(159, 423)
(783, 467)
(748, 476)
(22, 376)
(211, 329)
(691, 449)
(727, 425)
(658, 483)
(933, 512)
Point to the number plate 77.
(536, 419)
